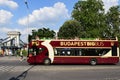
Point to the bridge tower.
(15, 35)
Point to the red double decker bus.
(73, 52)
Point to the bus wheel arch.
(93, 61)
(47, 61)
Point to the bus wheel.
(93, 62)
(47, 61)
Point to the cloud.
(9, 3)
(5, 30)
(110, 3)
(46, 15)
(5, 16)
(24, 32)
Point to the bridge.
(12, 42)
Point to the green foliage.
(113, 22)
(91, 16)
(24, 52)
(93, 21)
(18, 52)
(42, 33)
(69, 29)
(46, 32)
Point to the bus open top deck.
(75, 51)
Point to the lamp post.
(26, 3)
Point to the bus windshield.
(35, 50)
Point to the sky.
(15, 15)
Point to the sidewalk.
(10, 58)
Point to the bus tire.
(93, 62)
(47, 61)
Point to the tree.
(45, 33)
(70, 29)
(113, 22)
(30, 37)
(90, 15)
(42, 33)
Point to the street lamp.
(26, 3)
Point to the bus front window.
(35, 51)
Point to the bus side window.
(62, 53)
(37, 50)
(80, 53)
(68, 53)
(57, 51)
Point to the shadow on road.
(22, 76)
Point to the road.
(12, 68)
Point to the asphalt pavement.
(13, 68)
